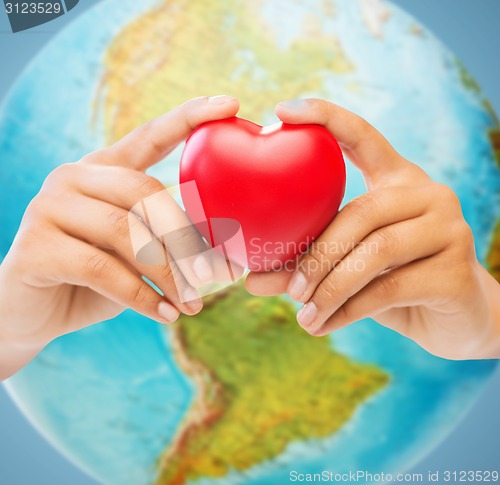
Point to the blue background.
(472, 30)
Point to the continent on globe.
(470, 84)
(143, 62)
(252, 66)
(262, 384)
(494, 253)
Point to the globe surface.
(239, 394)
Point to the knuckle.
(190, 113)
(361, 126)
(38, 207)
(146, 185)
(365, 206)
(184, 241)
(31, 243)
(415, 173)
(118, 220)
(48, 205)
(326, 293)
(387, 286)
(98, 266)
(64, 169)
(141, 293)
(193, 104)
(386, 241)
(463, 233)
(320, 105)
(356, 208)
(101, 156)
(60, 175)
(463, 239)
(446, 196)
(167, 274)
(148, 132)
(317, 259)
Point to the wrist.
(490, 347)
(21, 332)
(14, 356)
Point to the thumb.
(363, 144)
(152, 142)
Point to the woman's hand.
(72, 262)
(402, 253)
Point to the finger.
(365, 146)
(109, 227)
(389, 247)
(393, 291)
(359, 218)
(83, 265)
(147, 198)
(153, 141)
(270, 283)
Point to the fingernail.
(168, 312)
(307, 314)
(294, 104)
(220, 99)
(298, 286)
(192, 299)
(202, 269)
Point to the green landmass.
(466, 79)
(494, 135)
(471, 84)
(489, 108)
(226, 47)
(262, 383)
(493, 259)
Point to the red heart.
(283, 184)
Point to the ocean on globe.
(239, 393)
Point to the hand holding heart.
(402, 253)
(72, 264)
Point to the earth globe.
(239, 393)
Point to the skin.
(401, 253)
(72, 263)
